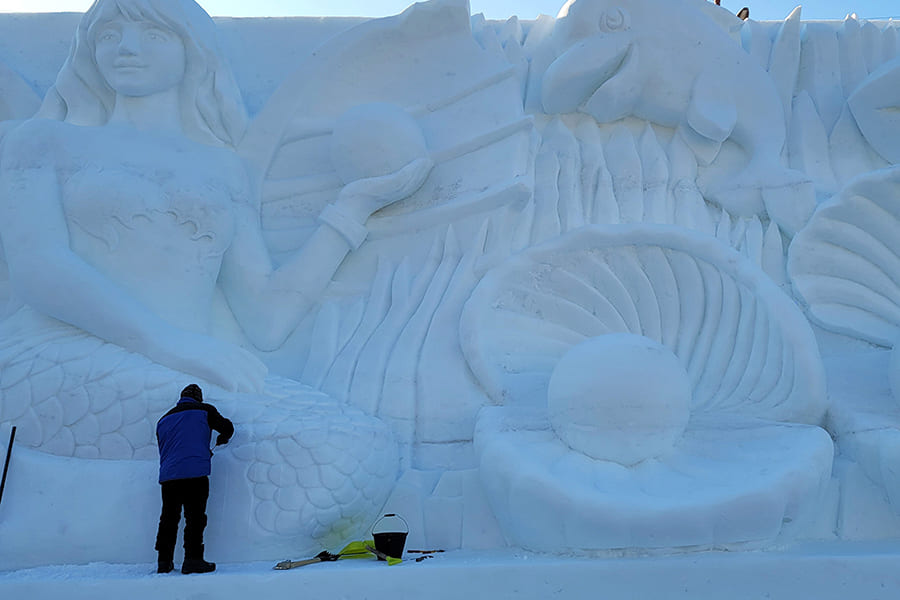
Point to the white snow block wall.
(619, 280)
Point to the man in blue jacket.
(183, 435)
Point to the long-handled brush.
(362, 549)
(12, 436)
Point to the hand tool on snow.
(12, 436)
(361, 549)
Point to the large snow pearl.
(619, 397)
(375, 139)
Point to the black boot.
(164, 563)
(194, 563)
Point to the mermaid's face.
(138, 58)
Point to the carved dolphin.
(667, 62)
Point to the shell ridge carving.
(629, 269)
(747, 347)
(725, 395)
(845, 264)
(691, 312)
(665, 289)
(712, 287)
(603, 277)
(723, 347)
(586, 296)
(756, 362)
(770, 376)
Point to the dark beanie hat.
(193, 391)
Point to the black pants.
(192, 494)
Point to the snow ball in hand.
(370, 140)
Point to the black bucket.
(387, 541)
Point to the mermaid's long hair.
(212, 110)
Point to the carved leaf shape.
(845, 264)
(875, 105)
(746, 346)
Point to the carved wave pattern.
(846, 263)
(745, 345)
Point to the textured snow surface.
(815, 571)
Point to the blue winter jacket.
(183, 435)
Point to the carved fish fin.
(580, 70)
(617, 97)
(704, 148)
(711, 112)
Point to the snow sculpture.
(749, 355)
(378, 349)
(132, 234)
(573, 191)
(612, 62)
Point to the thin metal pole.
(12, 436)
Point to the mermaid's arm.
(270, 303)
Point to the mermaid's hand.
(360, 198)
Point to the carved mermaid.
(131, 230)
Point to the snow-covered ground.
(861, 571)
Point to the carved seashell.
(746, 346)
(845, 264)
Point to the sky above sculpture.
(492, 9)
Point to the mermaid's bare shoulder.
(39, 143)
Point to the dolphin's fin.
(711, 112)
(580, 70)
(704, 148)
(617, 97)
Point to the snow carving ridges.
(655, 263)
(746, 347)
(338, 381)
(819, 73)
(655, 176)
(784, 62)
(756, 42)
(698, 361)
(725, 396)
(549, 200)
(871, 44)
(845, 265)
(448, 398)
(852, 60)
(399, 399)
(325, 339)
(808, 144)
(624, 163)
(610, 175)
(889, 43)
(368, 376)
